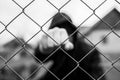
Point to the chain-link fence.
(28, 10)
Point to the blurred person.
(86, 67)
(63, 58)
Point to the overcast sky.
(41, 11)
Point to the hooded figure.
(80, 63)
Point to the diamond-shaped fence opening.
(23, 63)
(77, 10)
(23, 27)
(64, 70)
(40, 11)
(97, 61)
(112, 4)
(110, 46)
(9, 11)
(92, 32)
(98, 35)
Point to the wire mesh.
(40, 27)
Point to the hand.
(59, 35)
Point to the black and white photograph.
(59, 39)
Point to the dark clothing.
(80, 62)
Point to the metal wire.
(59, 47)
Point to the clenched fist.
(59, 35)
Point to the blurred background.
(97, 19)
